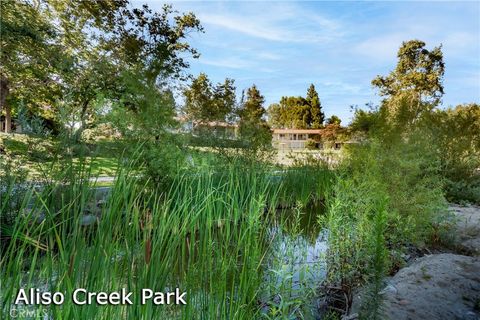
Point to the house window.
(302, 137)
(282, 136)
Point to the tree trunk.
(8, 119)
(3, 103)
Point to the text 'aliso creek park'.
(82, 296)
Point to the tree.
(334, 120)
(297, 112)
(225, 100)
(252, 109)
(205, 102)
(365, 121)
(276, 116)
(94, 43)
(253, 128)
(290, 112)
(317, 115)
(29, 57)
(416, 84)
(149, 45)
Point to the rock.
(36, 214)
(389, 289)
(88, 220)
(438, 286)
(467, 226)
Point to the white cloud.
(232, 63)
(285, 23)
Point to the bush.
(456, 133)
(388, 195)
(311, 144)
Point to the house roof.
(308, 131)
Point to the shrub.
(388, 194)
(310, 144)
(456, 133)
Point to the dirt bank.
(439, 286)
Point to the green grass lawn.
(37, 155)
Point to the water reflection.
(296, 263)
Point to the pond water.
(296, 264)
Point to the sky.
(283, 47)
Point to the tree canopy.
(416, 84)
(205, 102)
(253, 127)
(82, 48)
(317, 116)
(297, 112)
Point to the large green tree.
(254, 130)
(205, 102)
(30, 56)
(98, 41)
(334, 120)
(297, 112)
(290, 112)
(416, 84)
(139, 42)
(316, 114)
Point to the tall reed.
(205, 234)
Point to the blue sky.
(340, 47)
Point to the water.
(296, 264)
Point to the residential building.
(297, 139)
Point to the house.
(216, 129)
(298, 139)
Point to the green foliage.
(388, 195)
(365, 121)
(412, 92)
(78, 52)
(317, 115)
(149, 123)
(311, 144)
(30, 57)
(456, 133)
(254, 130)
(416, 84)
(297, 112)
(205, 102)
(334, 120)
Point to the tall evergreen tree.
(254, 130)
(253, 110)
(316, 114)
